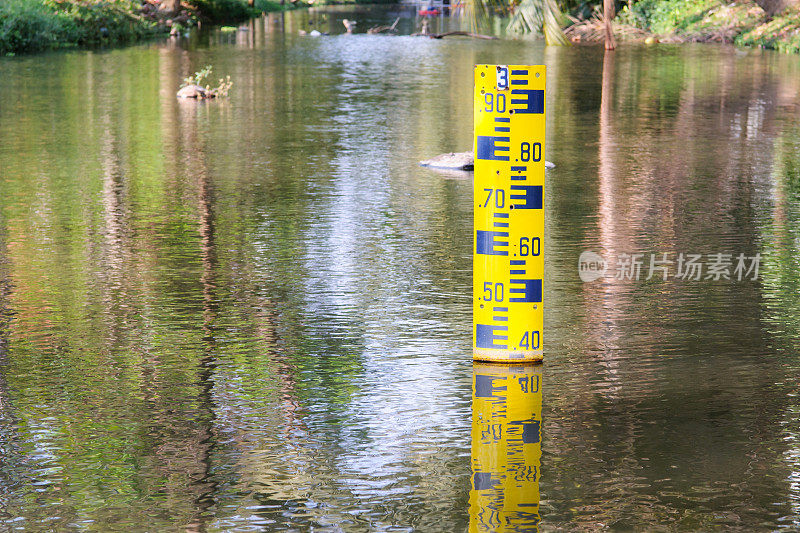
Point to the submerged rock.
(451, 161)
(194, 91)
(459, 161)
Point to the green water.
(255, 313)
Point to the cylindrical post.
(508, 265)
(506, 447)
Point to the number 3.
(502, 78)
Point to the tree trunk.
(170, 6)
(608, 15)
(772, 7)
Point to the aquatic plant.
(200, 78)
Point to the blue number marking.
(502, 78)
(531, 291)
(530, 342)
(485, 242)
(531, 197)
(532, 101)
(488, 148)
(485, 336)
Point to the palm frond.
(528, 16)
(478, 12)
(539, 15)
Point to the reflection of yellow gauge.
(506, 447)
(509, 117)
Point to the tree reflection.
(683, 161)
(247, 312)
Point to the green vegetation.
(768, 23)
(267, 6)
(202, 76)
(690, 17)
(36, 25)
(742, 22)
(223, 10)
(781, 33)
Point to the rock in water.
(192, 91)
(459, 161)
(451, 161)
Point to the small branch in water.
(452, 33)
(465, 34)
(378, 29)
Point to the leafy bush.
(223, 10)
(781, 33)
(102, 22)
(34, 25)
(666, 16)
(715, 20)
(30, 26)
(271, 5)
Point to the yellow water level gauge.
(508, 276)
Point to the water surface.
(254, 314)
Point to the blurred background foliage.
(35, 25)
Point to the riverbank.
(743, 23)
(38, 25)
